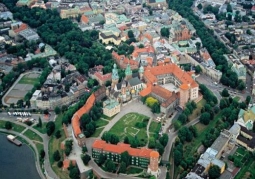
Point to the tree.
(225, 93)
(39, 122)
(60, 164)
(205, 118)
(56, 156)
(199, 6)
(152, 143)
(86, 158)
(198, 69)
(101, 159)
(237, 162)
(177, 157)
(248, 31)
(150, 101)
(130, 34)
(182, 118)
(123, 167)
(57, 110)
(164, 32)
(109, 165)
(50, 127)
(74, 173)
(125, 157)
(84, 149)
(58, 134)
(42, 153)
(164, 139)
(8, 125)
(247, 100)
(229, 8)
(214, 172)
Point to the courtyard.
(132, 125)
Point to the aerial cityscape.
(127, 89)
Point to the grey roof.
(134, 81)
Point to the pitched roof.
(83, 110)
(102, 77)
(146, 91)
(84, 19)
(160, 91)
(22, 27)
(151, 73)
(121, 147)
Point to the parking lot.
(20, 88)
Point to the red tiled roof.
(83, 110)
(146, 91)
(184, 77)
(66, 163)
(102, 77)
(160, 91)
(184, 86)
(84, 19)
(120, 148)
(22, 27)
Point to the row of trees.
(214, 46)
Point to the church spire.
(128, 72)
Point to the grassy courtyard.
(127, 126)
(26, 80)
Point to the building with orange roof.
(140, 156)
(84, 19)
(123, 61)
(77, 133)
(170, 73)
(153, 168)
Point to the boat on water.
(13, 139)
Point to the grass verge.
(32, 136)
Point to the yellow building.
(111, 107)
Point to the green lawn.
(39, 147)
(15, 127)
(97, 132)
(134, 170)
(196, 112)
(33, 136)
(26, 80)
(101, 122)
(126, 127)
(41, 129)
(237, 98)
(54, 144)
(154, 129)
(107, 118)
(154, 126)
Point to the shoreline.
(31, 146)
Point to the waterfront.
(16, 162)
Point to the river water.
(16, 162)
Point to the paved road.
(133, 106)
(216, 89)
(50, 173)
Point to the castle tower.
(184, 94)
(141, 71)
(115, 76)
(128, 72)
(153, 168)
